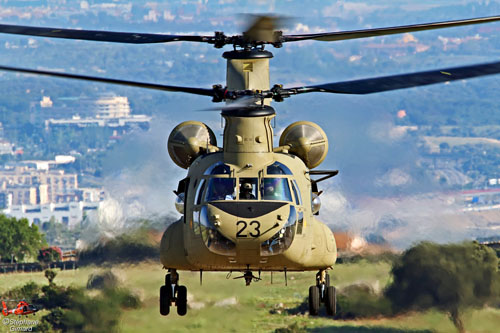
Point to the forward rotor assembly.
(251, 43)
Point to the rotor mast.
(248, 134)
(248, 69)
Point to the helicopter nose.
(248, 210)
(256, 221)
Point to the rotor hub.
(249, 111)
(254, 53)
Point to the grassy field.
(226, 305)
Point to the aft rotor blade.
(190, 90)
(100, 36)
(402, 81)
(344, 35)
(262, 28)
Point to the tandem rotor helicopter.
(249, 206)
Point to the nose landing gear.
(172, 292)
(322, 292)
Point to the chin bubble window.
(281, 240)
(214, 240)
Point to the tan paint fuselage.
(248, 151)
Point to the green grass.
(252, 313)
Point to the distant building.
(481, 200)
(113, 107)
(6, 148)
(140, 121)
(4, 200)
(107, 111)
(46, 165)
(69, 214)
(46, 102)
(21, 194)
(38, 193)
(91, 194)
(21, 181)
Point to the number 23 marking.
(254, 233)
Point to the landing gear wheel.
(331, 301)
(165, 297)
(181, 301)
(313, 300)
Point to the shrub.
(124, 248)
(29, 291)
(103, 280)
(50, 254)
(450, 278)
(360, 301)
(72, 310)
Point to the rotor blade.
(402, 81)
(344, 35)
(262, 28)
(101, 36)
(196, 91)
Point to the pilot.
(269, 192)
(246, 192)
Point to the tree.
(50, 274)
(18, 238)
(449, 278)
(50, 254)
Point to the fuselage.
(267, 227)
(247, 205)
(22, 309)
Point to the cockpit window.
(278, 168)
(218, 168)
(275, 189)
(199, 191)
(296, 192)
(221, 189)
(248, 188)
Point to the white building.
(6, 148)
(138, 120)
(46, 102)
(46, 165)
(70, 214)
(112, 107)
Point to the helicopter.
(249, 206)
(23, 308)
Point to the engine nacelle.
(307, 141)
(189, 140)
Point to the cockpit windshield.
(273, 183)
(221, 189)
(248, 188)
(278, 168)
(275, 189)
(218, 168)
